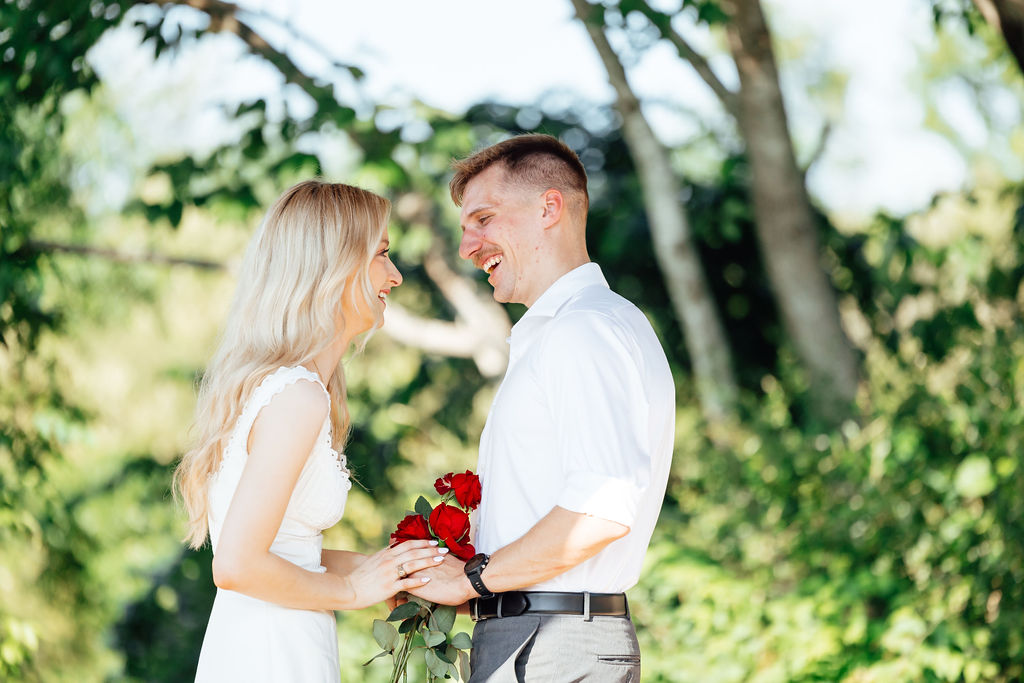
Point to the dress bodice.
(318, 499)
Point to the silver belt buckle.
(586, 606)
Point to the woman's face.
(383, 277)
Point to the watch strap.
(476, 580)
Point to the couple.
(574, 457)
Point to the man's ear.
(554, 205)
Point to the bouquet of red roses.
(422, 620)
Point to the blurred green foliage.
(887, 550)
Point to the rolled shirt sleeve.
(596, 396)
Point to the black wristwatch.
(473, 569)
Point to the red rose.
(463, 551)
(467, 489)
(412, 528)
(443, 484)
(450, 524)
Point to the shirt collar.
(564, 288)
(554, 297)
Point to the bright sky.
(454, 53)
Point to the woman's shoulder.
(294, 386)
(293, 400)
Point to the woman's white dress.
(252, 640)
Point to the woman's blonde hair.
(312, 251)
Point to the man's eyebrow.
(478, 209)
(475, 211)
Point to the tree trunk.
(1007, 16)
(673, 244)
(786, 224)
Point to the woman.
(264, 478)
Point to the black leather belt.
(515, 603)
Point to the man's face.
(501, 230)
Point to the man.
(575, 454)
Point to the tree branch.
(224, 17)
(673, 240)
(819, 148)
(487, 321)
(663, 22)
(123, 256)
(432, 336)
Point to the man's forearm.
(558, 542)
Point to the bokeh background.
(817, 204)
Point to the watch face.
(475, 562)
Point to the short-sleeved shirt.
(584, 419)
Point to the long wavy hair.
(312, 251)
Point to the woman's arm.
(280, 442)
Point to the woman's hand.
(379, 577)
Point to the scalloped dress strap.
(272, 385)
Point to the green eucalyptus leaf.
(462, 640)
(435, 665)
(464, 665)
(385, 634)
(433, 638)
(402, 612)
(421, 602)
(442, 618)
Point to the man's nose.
(469, 245)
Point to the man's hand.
(395, 600)
(448, 583)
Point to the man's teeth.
(490, 263)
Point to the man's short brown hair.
(534, 160)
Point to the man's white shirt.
(584, 419)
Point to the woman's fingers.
(412, 545)
(413, 561)
(413, 583)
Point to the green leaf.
(462, 640)
(376, 656)
(442, 618)
(464, 665)
(433, 638)
(403, 612)
(434, 664)
(421, 602)
(423, 507)
(407, 625)
(385, 634)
